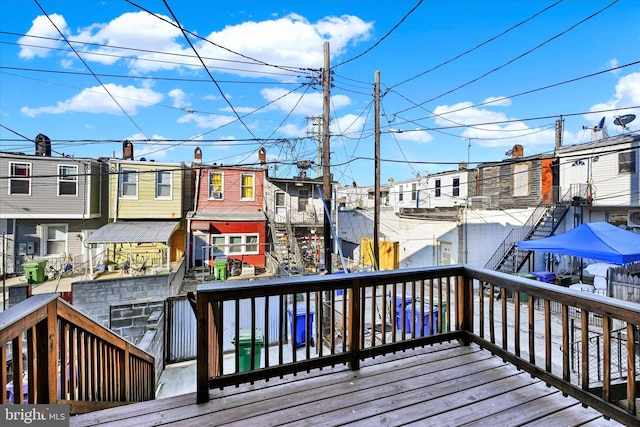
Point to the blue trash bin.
(301, 337)
(402, 302)
(422, 314)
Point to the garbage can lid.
(245, 336)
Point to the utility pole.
(376, 186)
(326, 169)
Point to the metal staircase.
(543, 222)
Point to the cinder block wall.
(95, 297)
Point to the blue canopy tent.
(599, 241)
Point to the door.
(200, 242)
(281, 208)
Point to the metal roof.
(134, 232)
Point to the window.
(456, 187)
(414, 191)
(627, 162)
(19, 178)
(218, 244)
(303, 200)
(129, 183)
(438, 188)
(251, 244)
(56, 239)
(400, 193)
(216, 191)
(246, 192)
(280, 199)
(67, 180)
(163, 185)
(235, 244)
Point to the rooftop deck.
(443, 384)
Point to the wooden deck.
(440, 385)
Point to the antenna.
(624, 120)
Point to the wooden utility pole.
(376, 186)
(326, 169)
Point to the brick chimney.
(517, 151)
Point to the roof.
(227, 216)
(134, 232)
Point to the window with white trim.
(303, 200)
(19, 178)
(235, 244)
(216, 187)
(67, 180)
(246, 190)
(414, 191)
(56, 235)
(627, 162)
(163, 185)
(438, 188)
(400, 193)
(129, 183)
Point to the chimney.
(127, 150)
(197, 155)
(43, 145)
(517, 151)
(462, 166)
(262, 156)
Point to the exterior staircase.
(542, 223)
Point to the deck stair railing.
(68, 359)
(343, 319)
(543, 222)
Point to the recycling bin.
(422, 314)
(302, 334)
(220, 268)
(444, 319)
(524, 297)
(545, 276)
(245, 349)
(402, 302)
(34, 271)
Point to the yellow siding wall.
(146, 206)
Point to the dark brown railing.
(67, 358)
(356, 316)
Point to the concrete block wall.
(131, 321)
(95, 297)
(153, 340)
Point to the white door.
(281, 208)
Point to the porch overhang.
(134, 232)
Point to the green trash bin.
(220, 268)
(34, 271)
(525, 297)
(443, 317)
(244, 348)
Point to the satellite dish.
(624, 120)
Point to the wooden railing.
(69, 358)
(361, 315)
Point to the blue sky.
(460, 80)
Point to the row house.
(227, 219)
(50, 205)
(601, 177)
(148, 201)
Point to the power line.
(89, 68)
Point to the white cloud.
(497, 101)
(305, 104)
(417, 135)
(209, 121)
(495, 133)
(179, 98)
(155, 150)
(96, 100)
(349, 125)
(627, 93)
(41, 27)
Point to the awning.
(134, 232)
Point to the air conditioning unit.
(216, 195)
(633, 220)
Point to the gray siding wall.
(497, 182)
(44, 201)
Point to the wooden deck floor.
(443, 385)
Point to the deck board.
(444, 384)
